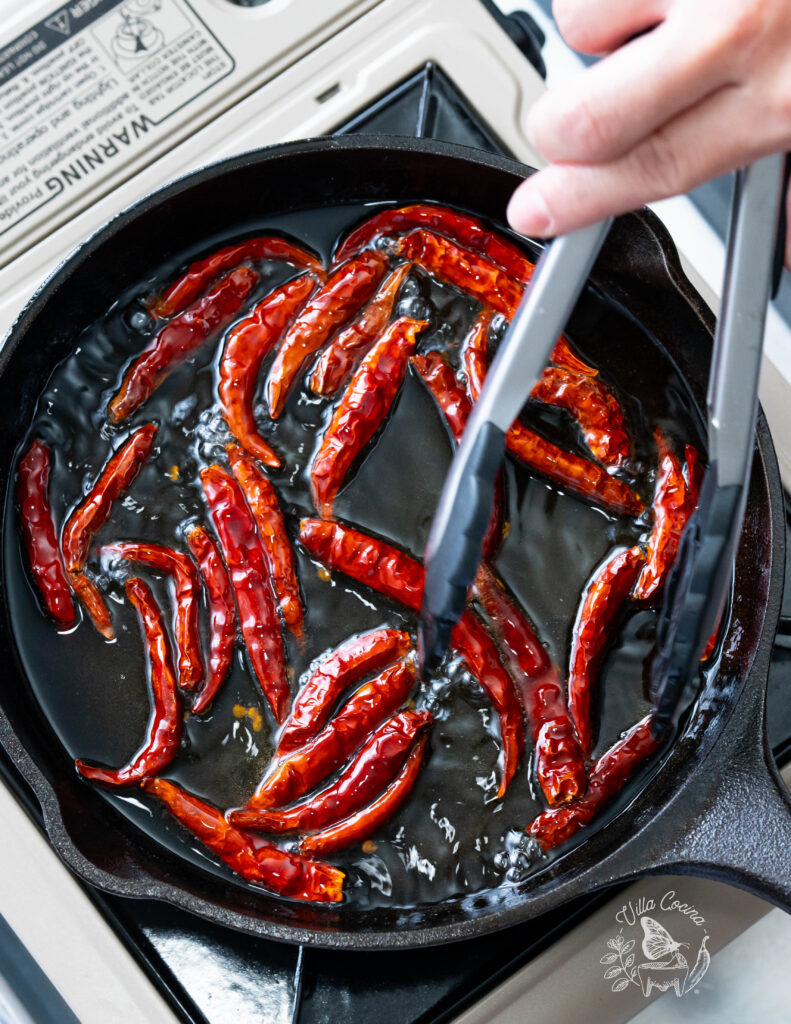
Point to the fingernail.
(528, 212)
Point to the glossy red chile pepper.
(261, 498)
(460, 227)
(246, 560)
(510, 627)
(339, 299)
(187, 598)
(468, 232)
(592, 405)
(94, 511)
(342, 356)
(371, 769)
(93, 602)
(393, 573)
(672, 508)
(672, 512)
(607, 777)
(39, 534)
(475, 354)
(560, 769)
(560, 764)
(448, 393)
(303, 769)
(222, 614)
(164, 728)
(465, 270)
(579, 475)
(201, 274)
(473, 643)
(378, 565)
(338, 670)
(362, 409)
(572, 472)
(602, 603)
(254, 859)
(581, 394)
(248, 344)
(563, 355)
(179, 338)
(364, 823)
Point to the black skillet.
(713, 807)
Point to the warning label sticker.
(89, 87)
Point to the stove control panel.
(104, 101)
(93, 90)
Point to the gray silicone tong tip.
(698, 584)
(453, 552)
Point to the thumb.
(565, 197)
(528, 211)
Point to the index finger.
(564, 197)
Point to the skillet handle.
(733, 822)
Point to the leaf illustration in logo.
(658, 942)
(701, 966)
(627, 946)
(613, 972)
(609, 958)
(619, 986)
(629, 961)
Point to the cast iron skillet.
(715, 807)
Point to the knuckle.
(570, 25)
(586, 130)
(737, 32)
(746, 22)
(660, 166)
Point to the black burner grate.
(427, 105)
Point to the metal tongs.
(698, 585)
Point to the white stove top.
(246, 77)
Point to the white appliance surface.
(218, 80)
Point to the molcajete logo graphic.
(660, 945)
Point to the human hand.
(705, 89)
